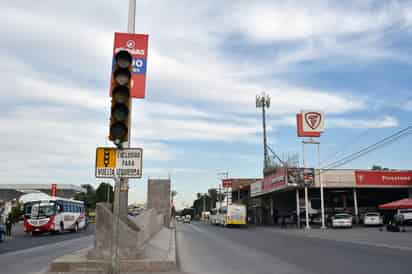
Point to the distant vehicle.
(405, 215)
(372, 218)
(187, 219)
(234, 214)
(2, 233)
(178, 218)
(213, 219)
(341, 220)
(43, 213)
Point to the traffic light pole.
(121, 188)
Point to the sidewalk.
(371, 236)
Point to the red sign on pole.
(136, 45)
(227, 183)
(53, 191)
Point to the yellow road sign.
(105, 162)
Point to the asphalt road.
(37, 259)
(20, 240)
(203, 248)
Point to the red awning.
(404, 203)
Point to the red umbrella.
(404, 203)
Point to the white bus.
(43, 213)
(234, 214)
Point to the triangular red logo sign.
(313, 119)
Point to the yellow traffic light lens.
(122, 76)
(118, 131)
(120, 112)
(120, 94)
(123, 59)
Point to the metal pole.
(306, 190)
(297, 208)
(322, 201)
(265, 152)
(355, 203)
(115, 267)
(204, 203)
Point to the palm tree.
(173, 193)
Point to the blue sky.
(207, 61)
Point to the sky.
(206, 63)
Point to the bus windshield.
(42, 210)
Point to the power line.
(355, 139)
(381, 143)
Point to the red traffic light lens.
(123, 59)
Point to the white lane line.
(398, 247)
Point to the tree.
(16, 213)
(376, 167)
(103, 192)
(213, 196)
(89, 198)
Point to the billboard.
(275, 180)
(383, 178)
(310, 123)
(300, 176)
(136, 45)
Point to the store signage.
(227, 183)
(256, 188)
(386, 178)
(310, 123)
(275, 180)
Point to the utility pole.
(263, 101)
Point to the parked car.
(178, 218)
(341, 220)
(187, 219)
(405, 215)
(372, 218)
(2, 233)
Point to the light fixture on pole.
(263, 101)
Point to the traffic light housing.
(121, 101)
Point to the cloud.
(384, 122)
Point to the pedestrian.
(8, 226)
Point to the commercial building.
(353, 191)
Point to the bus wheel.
(61, 227)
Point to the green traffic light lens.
(118, 131)
(123, 59)
(122, 76)
(120, 94)
(120, 112)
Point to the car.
(187, 219)
(2, 233)
(178, 218)
(341, 220)
(372, 218)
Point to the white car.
(187, 219)
(372, 218)
(342, 220)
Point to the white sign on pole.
(129, 163)
(123, 163)
(312, 121)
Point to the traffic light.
(120, 90)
